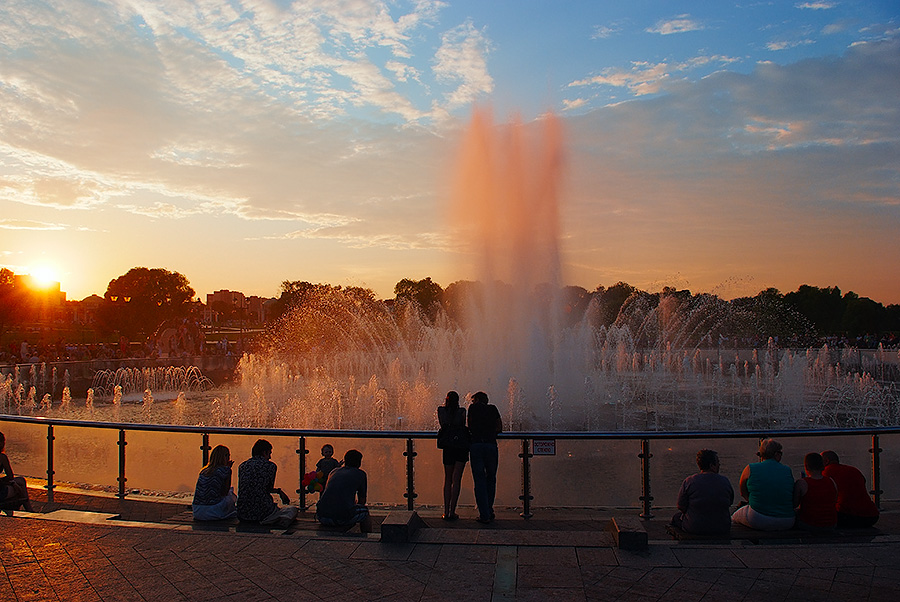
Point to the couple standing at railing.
(472, 438)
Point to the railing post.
(301, 453)
(50, 471)
(121, 479)
(204, 447)
(876, 471)
(646, 498)
(410, 494)
(526, 496)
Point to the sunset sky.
(716, 146)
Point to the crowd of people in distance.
(828, 495)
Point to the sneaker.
(483, 521)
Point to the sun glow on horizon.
(44, 276)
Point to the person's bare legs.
(448, 489)
(456, 475)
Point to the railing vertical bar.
(526, 496)
(876, 470)
(646, 498)
(410, 494)
(301, 462)
(204, 447)
(50, 471)
(122, 479)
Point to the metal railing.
(410, 437)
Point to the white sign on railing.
(543, 447)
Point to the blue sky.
(717, 146)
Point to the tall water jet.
(342, 359)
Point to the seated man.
(815, 496)
(343, 502)
(855, 509)
(768, 487)
(256, 484)
(705, 498)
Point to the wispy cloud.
(787, 44)
(605, 31)
(680, 24)
(24, 224)
(648, 78)
(821, 5)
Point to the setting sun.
(44, 276)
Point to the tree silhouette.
(137, 302)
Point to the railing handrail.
(396, 434)
(526, 437)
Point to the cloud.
(462, 57)
(787, 44)
(605, 31)
(680, 24)
(24, 224)
(821, 5)
(648, 78)
(574, 103)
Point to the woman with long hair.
(13, 489)
(214, 498)
(453, 439)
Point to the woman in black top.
(453, 439)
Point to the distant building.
(226, 306)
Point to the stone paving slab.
(63, 553)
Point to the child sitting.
(327, 463)
(815, 497)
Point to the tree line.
(138, 302)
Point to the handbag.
(453, 438)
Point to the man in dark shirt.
(705, 498)
(256, 484)
(343, 502)
(484, 424)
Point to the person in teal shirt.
(768, 487)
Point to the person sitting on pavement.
(214, 497)
(328, 462)
(256, 484)
(705, 498)
(855, 508)
(768, 487)
(13, 489)
(343, 502)
(815, 497)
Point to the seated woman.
(768, 486)
(815, 497)
(13, 489)
(705, 498)
(214, 498)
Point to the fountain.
(344, 360)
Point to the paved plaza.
(87, 547)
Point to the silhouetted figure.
(705, 498)
(343, 503)
(13, 489)
(454, 440)
(484, 424)
(768, 486)
(214, 498)
(855, 508)
(256, 484)
(815, 497)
